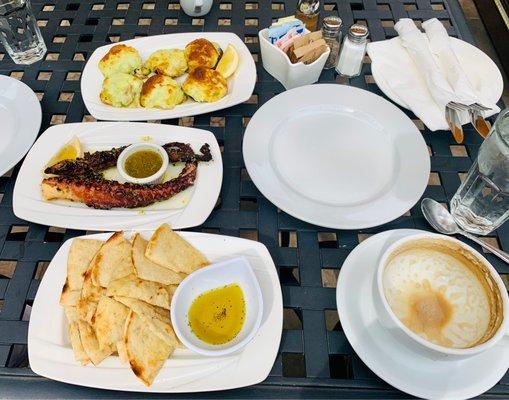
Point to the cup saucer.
(393, 362)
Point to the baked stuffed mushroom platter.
(168, 76)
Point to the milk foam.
(438, 297)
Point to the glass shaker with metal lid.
(331, 31)
(353, 51)
(308, 12)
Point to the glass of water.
(19, 32)
(481, 203)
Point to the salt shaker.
(331, 31)
(353, 51)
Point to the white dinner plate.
(240, 85)
(50, 353)
(336, 156)
(20, 113)
(189, 208)
(480, 69)
(393, 362)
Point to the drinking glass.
(19, 32)
(481, 203)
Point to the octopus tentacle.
(93, 163)
(100, 193)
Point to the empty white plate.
(20, 113)
(336, 156)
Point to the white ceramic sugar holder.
(277, 63)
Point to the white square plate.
(50, 353)
(240, 85)
(188, 208)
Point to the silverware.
(476, 118)
(452, 110)
(442, 220)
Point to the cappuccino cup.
(440, 297)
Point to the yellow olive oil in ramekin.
(217, 316)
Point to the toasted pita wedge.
(80, 354)
(112, 261)
(90, 343)
(122, 351)
(108, 322)
(136, 288)
(171, 251)
(156, 318)
(69, 297)
(74, 336)
(146, 269)
(71, 313)
(81, 253)
(90, 295)
(146, 352)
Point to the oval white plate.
(186, 209)
(393, 362)
(336, 156)
(17, 101)
(240, 85)
(50, 353)
(481, 71)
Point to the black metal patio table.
(315, 359)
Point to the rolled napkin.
(409, 73)
(393, 67)
(418, 48)
(440, 45)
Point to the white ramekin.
(234, 271)
(407, 337)
(155, 178)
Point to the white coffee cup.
(417, 343)
(196, 8)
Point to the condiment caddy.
(292, 54)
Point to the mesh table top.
(315, 359)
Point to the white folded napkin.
(408, 68)
(440, 45)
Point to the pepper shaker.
(331, 31)
(353, 51)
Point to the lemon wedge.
(69, 151)
(229, 62)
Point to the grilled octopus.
(81, 179)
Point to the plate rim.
(37, 119)
(287, 209)
(269, 266)
(123, 114)
(133, 219)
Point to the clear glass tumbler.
(19, 32)
(481, 203)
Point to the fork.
(477, 120)
(452, 110)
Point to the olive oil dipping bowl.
(234, 271)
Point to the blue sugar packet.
(276, 32)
